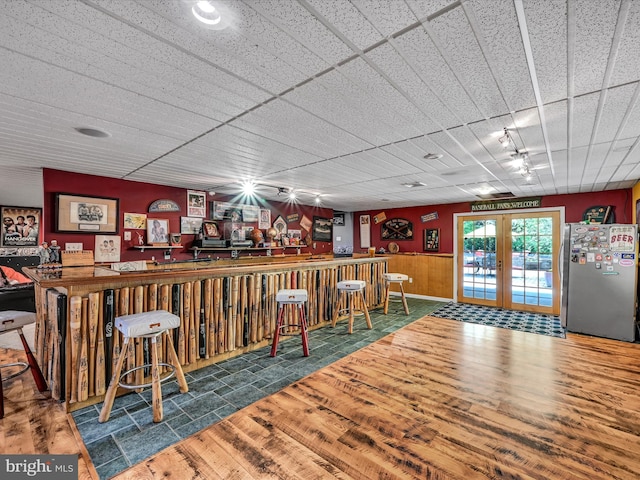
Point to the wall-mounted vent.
(496, 195)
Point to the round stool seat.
(351, 285)
(291, 295)
(12, 319)
(395, 277)
(146, 323)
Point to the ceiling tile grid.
(294, 91)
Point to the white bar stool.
(146, 325)
(398, 278)
(297, 297)
(346, 291)
(13, 321)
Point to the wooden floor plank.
(35, 424)
(439, 399)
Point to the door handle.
(499, 263)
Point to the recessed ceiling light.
(211, 14)
(92, 132)
(432, 156)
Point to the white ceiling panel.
(595, 26)
(386, 17)
(547, 24)
(496, 26)
(459, 46)
(419, 50)
(339, 98)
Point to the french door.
(510, 261)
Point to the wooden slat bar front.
(224, 311)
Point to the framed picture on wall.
(107, 248)
(158, 231)
(84, 214)
(431, 239)
(20, 226)
(322, 229)
(196, 204)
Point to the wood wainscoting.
(432, 274)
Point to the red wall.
(575, 204)
(135, 197)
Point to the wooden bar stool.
(398, 278)
(346, 291)
(146, 325)
(13, 321)
(298, 297)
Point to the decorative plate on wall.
(394, 247)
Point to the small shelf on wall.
(235, 251)
(142, 248)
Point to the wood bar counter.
(225, 311)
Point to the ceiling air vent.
(414, 184)
(496, 195)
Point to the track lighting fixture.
(506, 141)
(519, 157)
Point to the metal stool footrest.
(24, 365)
(131, 386)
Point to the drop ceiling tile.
(405, 79)
(595, 25)
(300, 24)
(419, 51)
(626, 68)
(500, 33)
(387, 96)
(547, 26)
(349, 21)
(613, 112)
(387, 17)
(584, 116)
(424, 8)
(339, 111)
(462, 52)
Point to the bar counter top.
(70, 276)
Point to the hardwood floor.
(33, 423)
(438, 399)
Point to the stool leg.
(336, 312)
(303, 332)
(351, 307)
(182, 382)
(387, 289)
(1, 397)
(113, 384)
(276, 334)
(156, 387)
(366, 311)
(33, 364)
(404, 300)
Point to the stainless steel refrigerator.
(599, 278)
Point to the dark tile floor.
(224, 388)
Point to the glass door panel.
(508, 261)
(479, 267)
